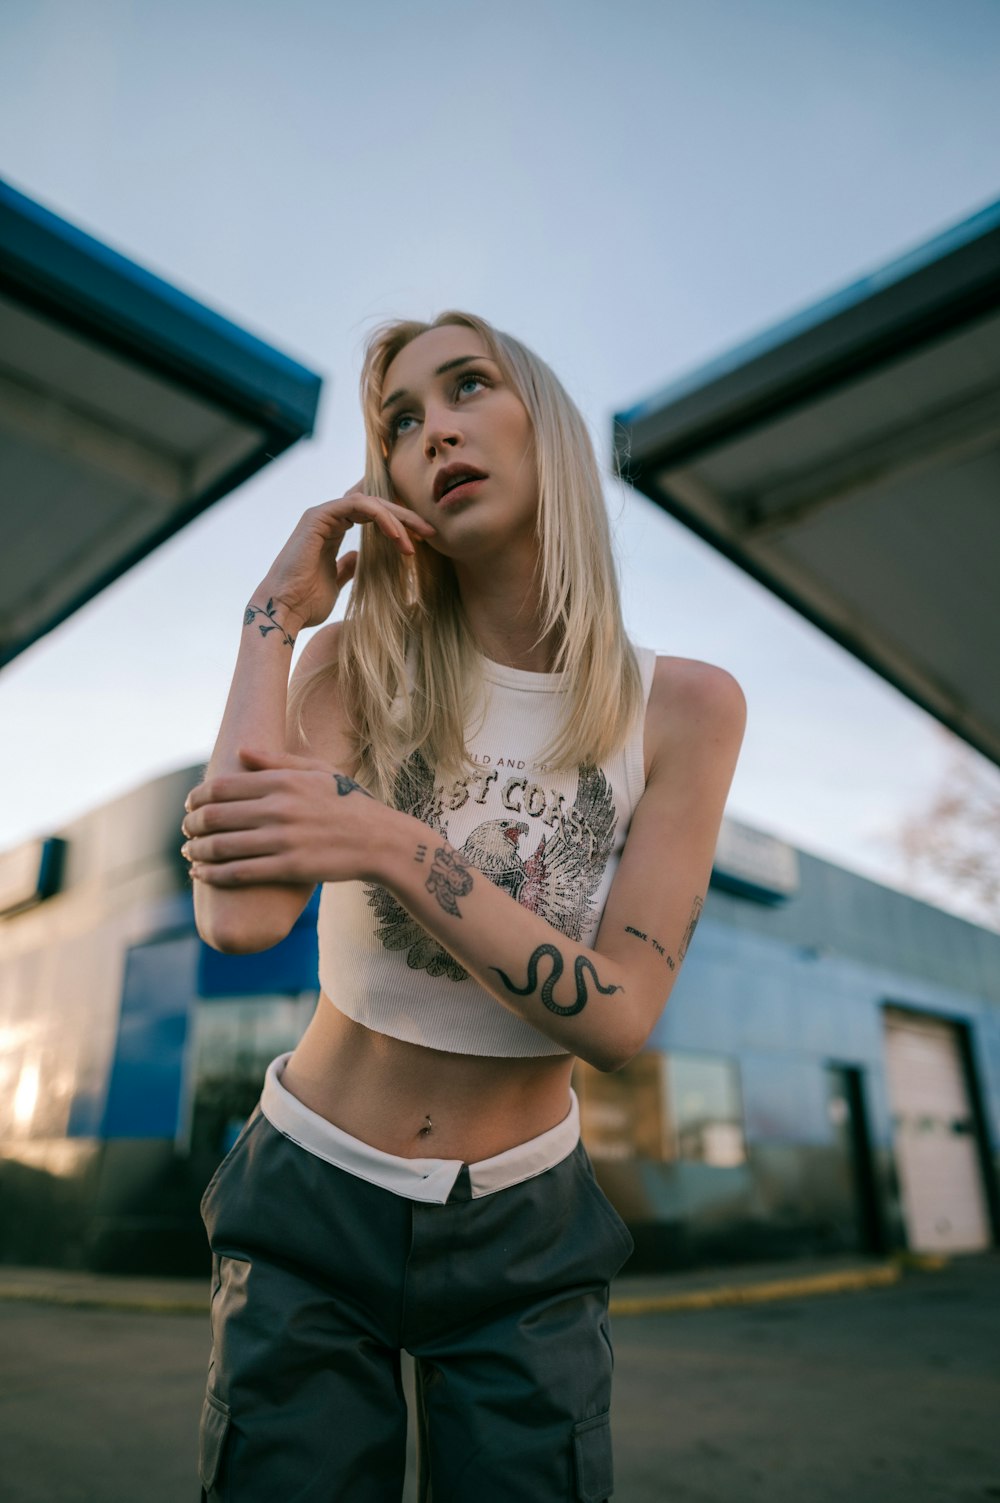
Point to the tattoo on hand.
(347, 785)
(253, 611)
(691, 926)
(646, 939)
(421, 855)
(449, 880)
(581, 964)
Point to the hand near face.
(307, 575)
(285, 819)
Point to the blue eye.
(468, 378)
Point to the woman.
(513, 814)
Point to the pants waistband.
(417, 1179)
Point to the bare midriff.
(423, 1103)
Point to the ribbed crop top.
(553, 840)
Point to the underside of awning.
(126, 408)
(850, 460)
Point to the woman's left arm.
(600, 1003)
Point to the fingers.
(394, 520)
(235, 845)
(213, 818)
(252, 757)
(346, 567)
(236, 786)
(257, 871)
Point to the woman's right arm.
(255, 716)
(299, 590)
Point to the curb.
(881, 1275)
(134, 1303)
(843, 1282)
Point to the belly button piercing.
(425, 1130)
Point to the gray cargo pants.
(321, 1278)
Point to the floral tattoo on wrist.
(253, 611)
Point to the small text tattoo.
(449, 880)
(253, 611)
(346, 785)
(647, 939)
(692, 924)
(421, 855)
(581, 964)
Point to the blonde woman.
(512, 812)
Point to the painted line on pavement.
(841, 1282)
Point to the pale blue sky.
(629, 187)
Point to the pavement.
(632, 1295)
(861, 1379)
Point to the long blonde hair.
(409, 668)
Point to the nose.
(440, 432)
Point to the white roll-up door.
(937, 1157)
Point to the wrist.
(266, 613)
(396, 846)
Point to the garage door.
(937, 1155)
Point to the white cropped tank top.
(553, 840)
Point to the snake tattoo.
(580, 965)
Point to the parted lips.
(451, 475)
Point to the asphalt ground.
(855, 1382)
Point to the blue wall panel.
(287, 968)
(145, 1086)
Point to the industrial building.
(826, 1076)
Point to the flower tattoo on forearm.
(449, 880)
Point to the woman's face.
(448, 409)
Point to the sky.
(630, 187)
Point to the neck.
(505, 615)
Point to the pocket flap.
(215, 1417)
(592, 1459)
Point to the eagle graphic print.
(550, 855)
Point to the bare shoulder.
(692, 702)
(317, 723)
(321, 651)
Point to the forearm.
(252, 918)
(572, 994)
(256, 705)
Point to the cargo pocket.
(592, 1459)
(215, 1417)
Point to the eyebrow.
(442, 370)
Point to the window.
(705, 1109)
(664, 1107)
(234, 1041)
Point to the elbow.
(610, 1061)
(224, 928)
(613, 1054)
(620, 1047)
(230, 939)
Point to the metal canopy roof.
(126, 408)
(849, 459)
